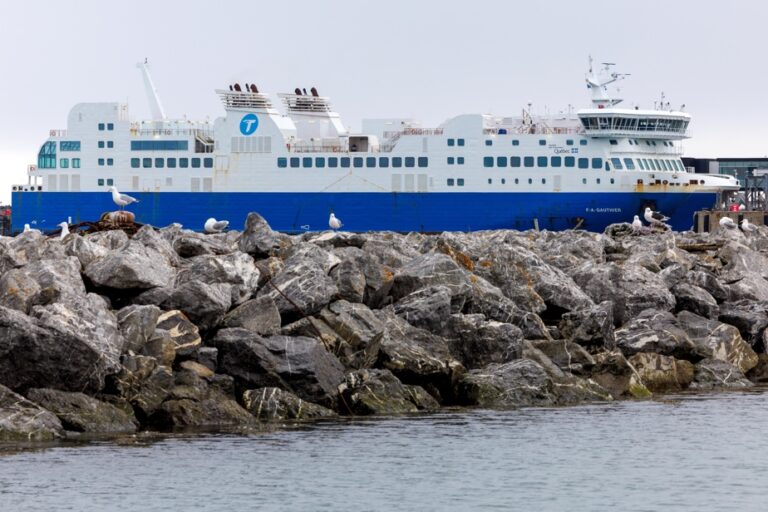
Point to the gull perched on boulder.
(727, 222)
(637, 224)
(747, 226)
(655, 218)
(334, 223)
(28, 229)
(215, 226)
(121, 200)
(64, 230)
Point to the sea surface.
(700, 452)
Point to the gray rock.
(144, 384)
(297, 364)
(662, 374)
(718, 340)
(189, 244)
(41, 282)
(477, 342)
(274, 404)
(659, 332)
(631, 289)
(237, 270)
(750, 318)
(137, 325)
(204, 304)
(708, 281)
(568, 356)
(160, 346)
(22, 420)
(207, 356)
(428, 308)
(134, 266)
(367, 392)
(153, 240)
(260, 316)
(591, 327)
(433, 269)
(614, 373)
(111, 240)
(258, 239)
(269, 268)
(349, 279)
(302, 289)
(716, 373)
(694, 299)
(19, 291)
(305, 251)
(183, 333)
(81, 413)
(359, 333)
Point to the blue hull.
(425, 212)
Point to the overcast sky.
(428, 60)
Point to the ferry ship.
(585, 170)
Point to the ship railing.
(319, 148)
(136, 131)
(646, 134)
(534, 129)
(57, 133)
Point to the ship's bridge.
(649, 124)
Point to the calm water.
(696, 453)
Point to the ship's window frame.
(110, 144)
(460, 160)
(333, 161)
(556, 161)
(515, 142)
(100, 182)
(101, 161)
(100, 144)
(459, 142)
(306, 161)
(170, 163)
(69, 145)
(569, 161)
(542, 142)
(583, 163)
(597, 181)
(282, 162)
(517, 181)
(384, 161)
(101, 127)
(459, 182)
(490, 181)
(487, 161)
(422, 161)
(584, 181)
(64, 163)
(345, 162)
(488, 142)
(542, 161)
(617, 164)
(357, 162)
(410, 161)
(110, 161)
(449, 182)
(613, 142)
(146, 163)
(295, 162)
(451, 160)
(320, 162)
(528, 161)
(195, 163)
(569, 142)
(597, 162)
(501, 161)
(514, 161)
(75, 163)
(370, 161)
(640, 163)
(543, 181)
(110, 182)
(110, 126)
(503, 181)
(397, 161)
(451, 142)
(530, 181)
(159, 163)
(208, 162)
(582, 142)
(183, 162)
(629, 164)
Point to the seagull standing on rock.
(64, 230)
(727, 222)
(655, 218)
(121, 200)
(28, 229)
(747, 226)
(637, 224)
(215, 226)
(334, 223)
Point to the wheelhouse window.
(333, 161)
(146, 163)
(616, 162)
(629, 164)
(171, 162)
(357, 161)
(46, 157)
(183, 162)
(345, 161)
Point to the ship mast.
(158, 114)
(597, 82)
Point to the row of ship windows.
(108, 143)
(646, 164)
(542, 142)
(160, 163)
(371, 161)
(108, 126)
(459, 182)
(64, 163)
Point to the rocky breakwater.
(170, 328)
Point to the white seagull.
(215, 226)
(64, 230)
(653, 217)
(727, 222)
(742, 207)
(637, 224)
(28, 229)
(747, 226)
(121, 200)
(334, 223)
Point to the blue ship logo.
(248, 124)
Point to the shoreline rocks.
(171, 328)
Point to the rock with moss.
(717, 373)
(81, 413)
(617, 375)
(662, 374)
(23, 420)
(369, 392)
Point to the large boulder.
(718, 340)
(591, 327)
(750, 318)
(184, 334)
(81, 413)
(303, 288)
(613, 372)
(349, 279)
(236, 270)
(428, 308)
(189, 244)
(23, 420)
(695, 299)
(358, 330)
(274, 404)
(300, 365)
(258, 239)
(659, 332)
(367, 392)
(568, 356)
(662, 374)
(260, 316)
(41, 282)
(716, 373)
(137, 325)
(433, 269)
(143, 383)
(477, 342)
(132, 267)
(630, 288)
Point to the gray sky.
(423, 59)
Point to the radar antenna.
(158, 114)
